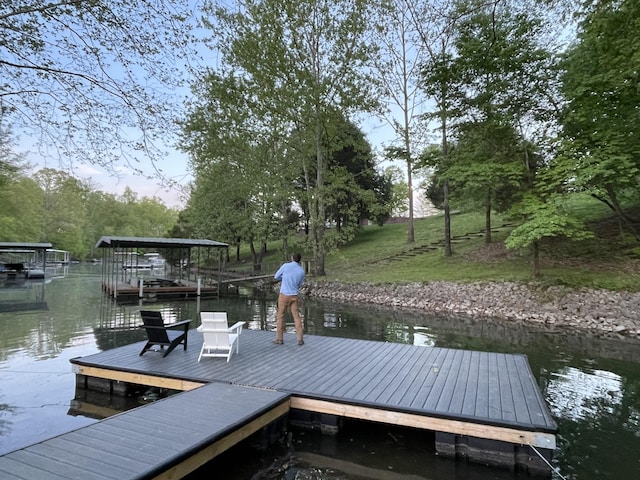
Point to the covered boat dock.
(23, 259)
(182, 267)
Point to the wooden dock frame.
(164, 440)
(477, 443)
(476, 440)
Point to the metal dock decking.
(466, 397)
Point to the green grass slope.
(610, 260)
(382, 255)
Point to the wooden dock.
(165, 288)
(167, 439)
(483, 406)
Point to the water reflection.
(590, 393)
(21, 294)
(591, 384)
(424, 338)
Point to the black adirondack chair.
(170, 335)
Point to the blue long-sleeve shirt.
(292, 276)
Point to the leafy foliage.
(81, 76)
(53, 206)
(601, 141)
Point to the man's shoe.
(300, 342)
(278, 342)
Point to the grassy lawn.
(382, 255)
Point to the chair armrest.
(237, 326)
(184, 323)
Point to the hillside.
(381, 254)
(610, 260)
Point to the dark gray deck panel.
(143, 442)
(481, 387)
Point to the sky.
(174, 165)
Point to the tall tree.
(505, 77)
(601, 124)
(21, 214)
(242, 181)
(11, 164)
(94, 80)
(305, 60)
(397, 65)
(355, 189)
(64, 211)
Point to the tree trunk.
(487, 221)
(615, 206)
(535, 259)
(447, 221)
(318, 210)
(407, 147)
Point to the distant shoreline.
(596, 311)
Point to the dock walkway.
(165, 439)
(475, 402)
(491, 395)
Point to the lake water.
(591, 384)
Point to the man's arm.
(278, 274)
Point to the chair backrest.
(215, 321)
(219, 319)
(151, 318)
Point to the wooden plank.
(334, 368)
(137, 378)
(418, 380)
(478, 430)
(395, 361)
(142, 443)
(471, 390)
(54, 468)
(129, 450)
(16, 469)
(442, 377)
(431, 374)
(460, 386)
(403, 377)
(208, 453)
(75, 459)
(353, 370)
(372, 371)
(88, 452)
(535, 402)
(519, 398)
(482, 388)
(443, 387)
(344, 372)
(507, 404)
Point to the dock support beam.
(494, 453)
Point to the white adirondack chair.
(220, 340)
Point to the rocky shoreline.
(596, 311)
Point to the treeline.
(53, 206)
(505, 105)
(509, 106)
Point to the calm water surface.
(592, 385)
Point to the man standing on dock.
(292, 275)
